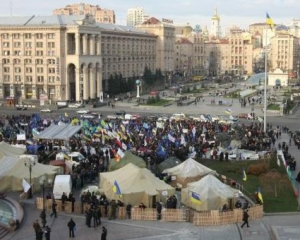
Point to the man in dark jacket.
(245, 218)
(158, 209)
(71, 226)
(104, 233)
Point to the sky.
(239, 13)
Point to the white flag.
(182, 141)
(278, 161)
(145, 142)
(25, 185)
(171, 138)
(194, 131)
(120, 153)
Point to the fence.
(215, 217)
(209, 218)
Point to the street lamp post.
(141, 83)
(29, 162)
(43, 213)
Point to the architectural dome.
(216, 16)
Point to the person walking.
(36, 227)
(47, 232)
(104, 233)
(54, 209)
(245, 218)
(71, 226)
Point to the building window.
(17, 78)
(28, 78)
(5, 36)
(51, 45)
(28, 53)
(6, 78)
(39, 44)
(6, 53)
(16, 36)
(39, 70)
(6, 69)
(17, 44)
(28, 44)
(40, 79)
(51, 35)
(17, 70)
(28, 70)
(51, 61)
(51, 79)
(39, 35)
(17, 61)
(51, 70)
(27, 35)
(50, 53)
(39, 53)
(5, 44)
(28, 61)
(17, 53)
(6, 61)
(39, 61)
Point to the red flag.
(118, 142)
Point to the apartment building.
(285, 52)
(183, 56)
(165, 44)
(100, 15)
(136, 16)
(60, 57)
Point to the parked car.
(88, 116)
(75, 105)
(46, 110)
(21, 107)
(120, 113)
(83, 111)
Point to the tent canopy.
(211, 191)
(189, 168)
(59, 132)
(128, 158)
(136, 185)
(9, 150)
(166, 164)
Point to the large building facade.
(100, 15)
(60, 57)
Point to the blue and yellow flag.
(269, 22)
(195, 198)
(260, 195)
(116, 188)
(244, 175)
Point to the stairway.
(3, 232)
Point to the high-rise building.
(183, 56)
(215, 29)
(100, 15)
(136, 16)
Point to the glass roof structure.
(254, 79)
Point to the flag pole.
(265, 87)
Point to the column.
(85, 84)
(85, 44)
(77, 44)
(23, 91)
(92, 83)
(92, 44)
(98, 41)
(1, 90)
(11, 90)
(99, 82)
(77, 85)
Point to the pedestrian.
(43, 217)
(71, 226)
(128, 210)
(36, 227)
(40, 234)
(54, 209)
(47, 232)
(245, 218)
(158, 209)
(104, 233)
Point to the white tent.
(188, 171)
(13, 170)
(212, 192)
(136, 184)
(59, 132)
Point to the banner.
(25, 185)
(21, 137)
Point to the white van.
(62, 184)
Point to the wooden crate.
(121, 213)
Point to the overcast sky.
(232, 12)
